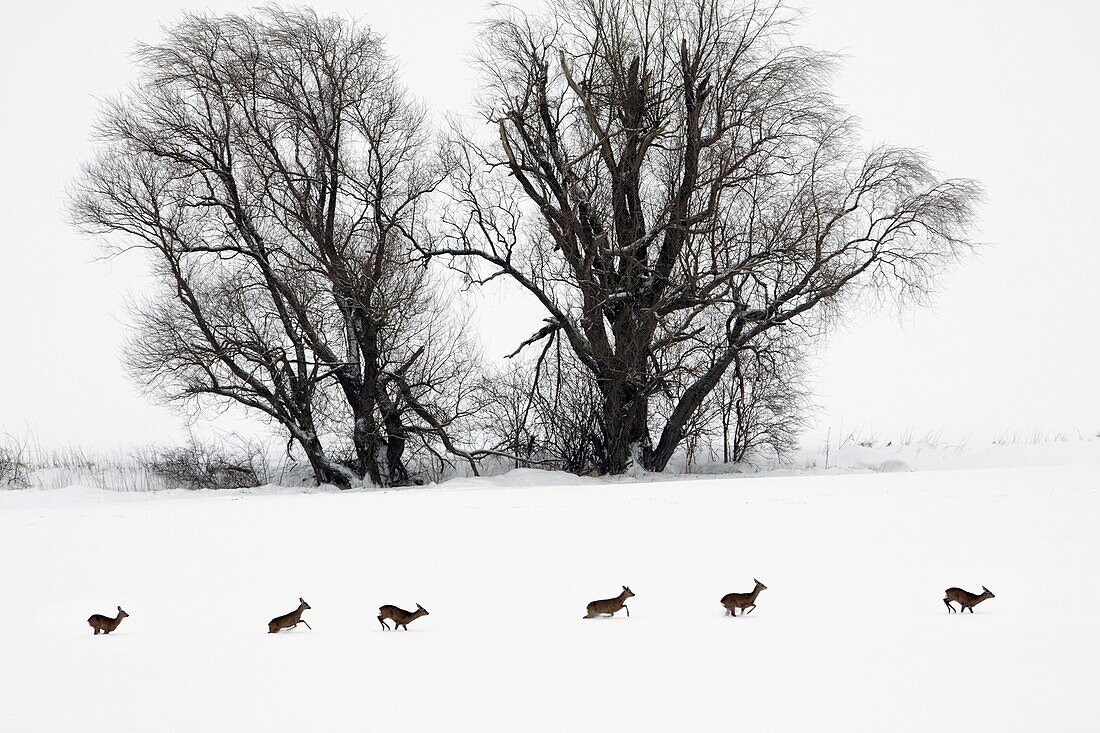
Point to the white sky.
(1004, 92)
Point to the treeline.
(669, 179)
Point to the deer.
(610, 606)
(734, 601)
(289, 620)
(106, 624)
(965, 599)
(399, 616)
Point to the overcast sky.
(1004, 92)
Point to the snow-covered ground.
(851, 634)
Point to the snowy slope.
(850, 636)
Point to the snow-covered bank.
(130, 472)
(838, 461)
(851, 634)
(921, 456)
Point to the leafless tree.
(545, 411)
(277, 171)
(761, 404)
(511, 418)
(671, 180)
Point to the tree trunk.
(325, 471)
(625, 408)
(624, 426)
(365, 443)
(378, 444)
(396, 472)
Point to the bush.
(207, 466)
(14, 471)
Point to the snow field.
(851, 634)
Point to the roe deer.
(610, 606)
(399, 616)
(733, 601)
(106, 624)
(965, 599)
(289, 620)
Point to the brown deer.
(399, 616)
(965, 599)
(289, 620)
(733, 601)
(610, 606)
(106, 624)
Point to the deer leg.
(307, 625)
(971, 609)
(950, 608)
(753, 606)
(383, 622)
(627, 610)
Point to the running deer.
(733, 601)
(965, 599)
(610, 606)
(106, 624)
(399, 616)
(289, 620)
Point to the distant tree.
(277, 172)
(760, 405)
(545, 411)
(671, 181)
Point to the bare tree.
(277, 171)
(671, 180)
(546, 411)
(510, 418)
(761, 403)
(213, 328)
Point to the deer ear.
(301, 600)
